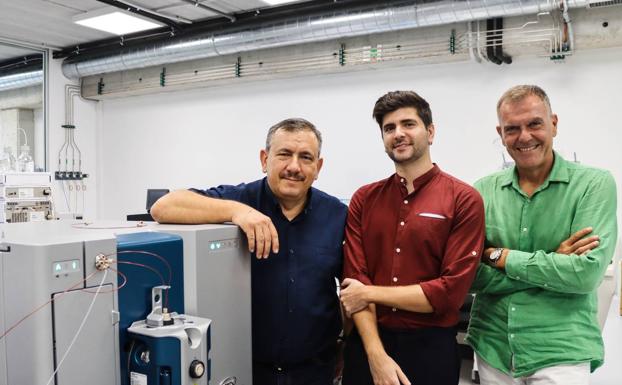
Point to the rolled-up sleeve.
(462, 255)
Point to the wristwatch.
(494, 257)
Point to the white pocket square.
(432, 215)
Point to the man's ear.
(431, 131)
(554, 120)
(320, 162)
(500, 135)
(263, 158)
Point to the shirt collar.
(272, 199)
(421, 180)
(559, 173)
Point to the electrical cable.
(168, 265)
(90, 226)
(75, 337)
(119, 287)
(153, 269)
(129, 357)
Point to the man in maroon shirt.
(413, 242)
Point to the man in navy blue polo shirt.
(296, 233)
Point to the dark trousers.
(427, 356)
(315, 372)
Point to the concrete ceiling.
(48, 23)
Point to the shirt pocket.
(319, 262)
(431, 232)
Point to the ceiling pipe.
(308, 29)
(21, 80)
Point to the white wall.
(211, 136)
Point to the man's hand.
(259, 230)
(353, 296)
(385, 371)
(579, 243)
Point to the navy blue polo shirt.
(295, 307)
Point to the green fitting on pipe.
(342, 55)
(163, 77)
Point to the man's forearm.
(187, 207)
(367, 327)
(409, 298)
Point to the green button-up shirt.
(542, 310)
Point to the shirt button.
(524, 229)
(394, 279)
(279, 369)
(405, 202)
(545, 285)
(291, 251)
(398, 250)
(402, 223)
(291, 280)
(393, 309)
(511, 335)
(402, 180)
(513, 308)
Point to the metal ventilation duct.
(21, 80)
(316, 28)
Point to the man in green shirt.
(550, 235)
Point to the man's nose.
(399, 131)
(524, 135)
(294, 164)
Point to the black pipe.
(244, 20)
(491, 41)
(21, 64)
(499, 54)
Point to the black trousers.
(427, 356)
(317, 371)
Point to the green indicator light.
(74, 265)
(57, 267)
(212, 246)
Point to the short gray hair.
(520, 92)
(294, 125)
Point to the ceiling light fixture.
(115, 21)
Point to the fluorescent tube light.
(115, 21)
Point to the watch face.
(495, 255)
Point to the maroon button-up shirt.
(433, 237)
